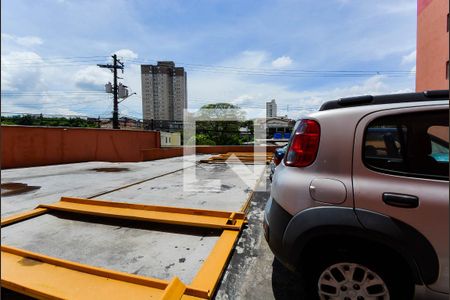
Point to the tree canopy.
(34, 120)
(220, 123)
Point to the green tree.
(45, 121)
(221, 125)
(26, 120)
(203, 139)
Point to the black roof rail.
(436, 94)
(386, 99)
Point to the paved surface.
(217, 186)
(226, 190)
(253, 272)
(152, 250)
(49, 183)
(156, 251)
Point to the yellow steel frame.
(243, 157)
(46, 277)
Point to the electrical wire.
(89, 60)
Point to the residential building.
(432, 62)
(275, 127)
(271, 109)
(170, 138)
(164, 92)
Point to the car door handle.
(401, 200)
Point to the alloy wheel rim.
(351, 281)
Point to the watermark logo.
(249, 167)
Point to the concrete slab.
(228, 193)
(253, 272)
(48, 183)
(140, 248)
(161, 252)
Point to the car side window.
(439, 142)
(414, 144)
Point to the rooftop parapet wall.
(27, 146)
(30, 146)
(167, 152)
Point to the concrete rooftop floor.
(157, 182)
(159, 251)
(151, 250)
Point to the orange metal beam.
(211, 271)
(46, 277)
(175, 290)
(160, 214)
(243, 157)
(23, 216)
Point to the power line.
(69, 58)
(51, 93)
(287, 71)
(88, 60)
(43, 105)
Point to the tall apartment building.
(164, 92)
(432, 62)
(271, 109)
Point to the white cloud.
(20, 71)
(410, 58)
(32, 85)
(256, 59)
(92, 77)
(29, 41)
(251, 95)
(248, 59)
(26, 41)
(6, 37)
(282, 62)
(126, 54)
(249, 92)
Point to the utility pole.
(117, 64)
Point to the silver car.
(359, 205)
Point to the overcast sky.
(300, 53)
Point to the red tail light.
(304, 144)
(276, 161)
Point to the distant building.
(271, 109)
(432, 62)
(170, 138)
(124, 123)
(164, 93)
(276, 127)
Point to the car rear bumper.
(275, 222)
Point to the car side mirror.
(279, 154)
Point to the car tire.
(353, 276)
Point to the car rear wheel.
(357, 275)
(351, 281)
